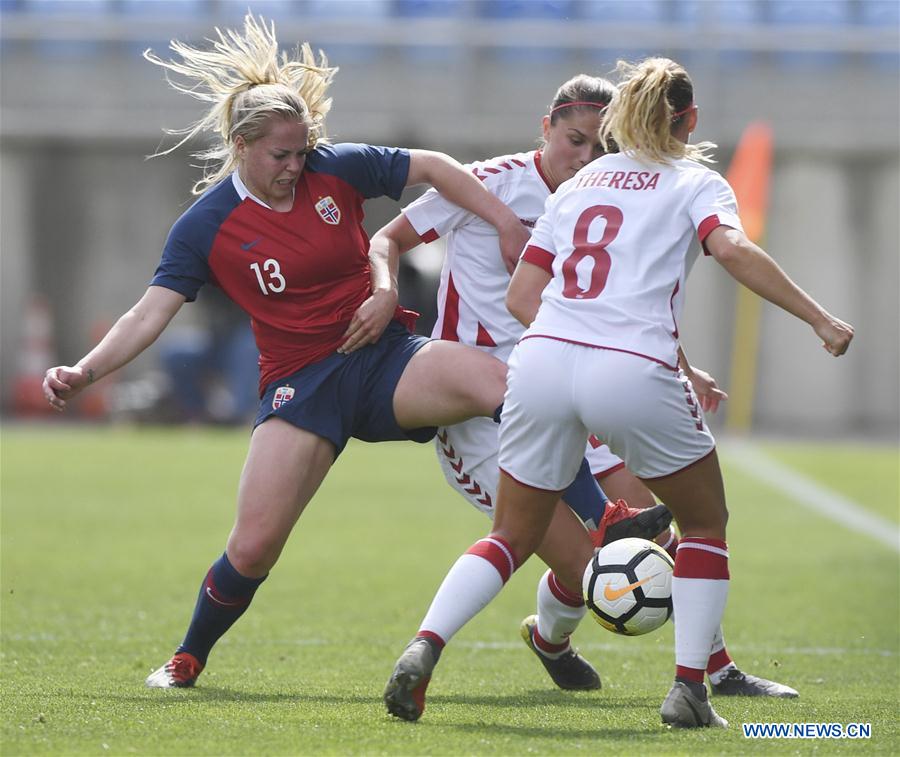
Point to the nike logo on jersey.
(251, 245)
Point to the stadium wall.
(84, 216)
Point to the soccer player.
(471, 310)
(278, 227)
(601, 289)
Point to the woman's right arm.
(129, 337)
(753, 268)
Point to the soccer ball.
(628, 586)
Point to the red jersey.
(299, 275)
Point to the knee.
(491, 386)
(252, 556)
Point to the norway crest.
(283, 395)
(328, 210)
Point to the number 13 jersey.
(617, 239)
(299, 275)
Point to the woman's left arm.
(460, 186)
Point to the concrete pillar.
(811, 235)
(17, 264)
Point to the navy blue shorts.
(349, 395)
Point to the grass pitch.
(107, 533)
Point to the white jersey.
(617, 239)
(474, 280)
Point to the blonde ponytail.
(652, 95)
(246, 81)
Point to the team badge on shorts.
(328, 210)
(283, 395)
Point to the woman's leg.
(696, 497)
(284, 468)
(472, 582)
(445, 383)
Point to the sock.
(699, 593)
(671, 543)
(224, 596)
(498, 412)
(585, 497)
(559, 612)
(473, 581)
(720, 661)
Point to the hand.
(513, 238)
(706, 389)
(370, 320)
(835, 334)
(63, 382)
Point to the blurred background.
(83, 215)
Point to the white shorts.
(601, 459)
(467, 453)
(558, 393)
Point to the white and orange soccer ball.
(628, 586)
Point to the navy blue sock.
(585, 497)
(224, 596)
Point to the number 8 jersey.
(617, 239)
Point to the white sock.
(473, 581)
(719, 660)
(699, 593)
(559, 613)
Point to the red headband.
(599, 106)
(681, 112)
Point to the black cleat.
(623, 522)
(570, 671)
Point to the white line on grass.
(624, 648)
(812, 495)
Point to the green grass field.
(107, 533)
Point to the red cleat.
(179, 672)
(622, 522)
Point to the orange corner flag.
(749, 175)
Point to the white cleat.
(682, 709)
(739, 684)
(178, 673)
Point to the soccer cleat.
(683, 709)
(404, 694)
(570, 670)
(179, 672)
(620, 521)
(736, 683)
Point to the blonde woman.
(607, 262)
(278, 227)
